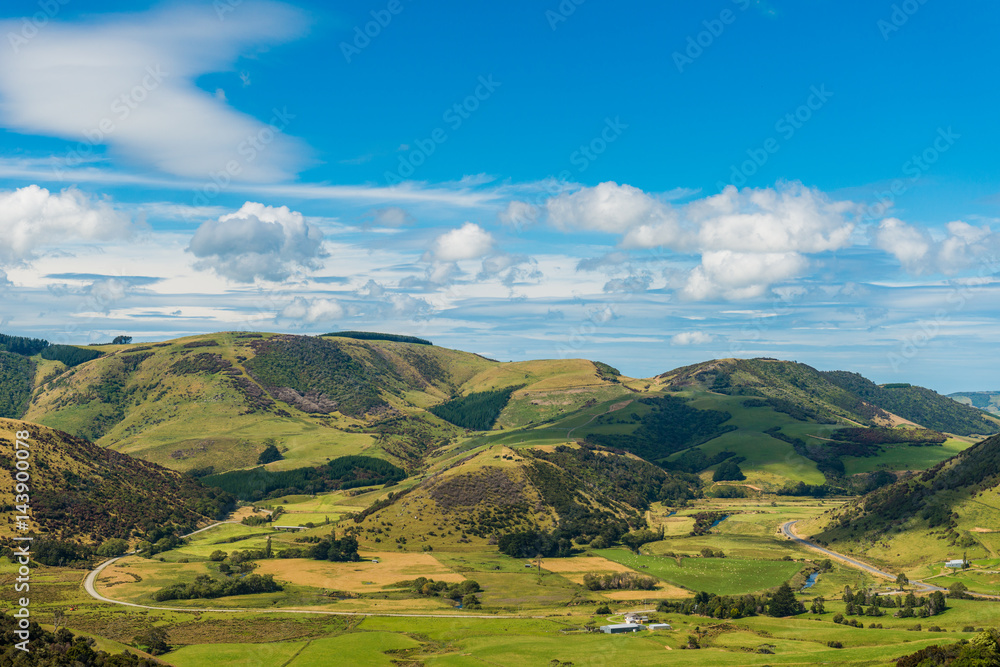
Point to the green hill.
(80, 491)
(988, 401)
(917, 404)
(213, 401)
(944, 512)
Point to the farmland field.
(723, 576)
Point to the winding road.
(89, 584)
(789, 532)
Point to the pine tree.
(783, 603)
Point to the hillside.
(950, 509)
(214, 401)
(984, 400)
(917, 404)
(81, 491)
(548, 495)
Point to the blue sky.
(649, 185)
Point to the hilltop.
(80, 491)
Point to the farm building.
(957, 563)
(660, 626)
(620, 628)
(635, 618)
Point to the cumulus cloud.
(312, 311)
(32, 217)
(691, 338)
(905, 242)
(613, 208)
(470, 241)
(132, 82)
(257, 242)
(963, 246)
(392, 216)
(735, 275)
(765, 233)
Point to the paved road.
(89, 584)
(789, 532)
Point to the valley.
(275, 497)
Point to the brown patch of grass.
(582, 564)
(360, 577)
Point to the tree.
(270, 453)
(121, 340)
(817, 606)
(112, 547)
(470, 601)
(154, 639)
(783, 603)
(902, 581)
(217, 556)
(728, 470)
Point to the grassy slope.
(82, 491)
(890, 526)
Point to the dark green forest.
(69, 354)
(671, 426)
(345, 472)
(477, 411)
(16, 373)
(27, 347)
(371, 335)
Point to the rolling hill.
(549, 495)
(213, 403)
(988, 401)
(80, 491)
(944, 512)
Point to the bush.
(603, 610)
(217, 556)
(113, 547)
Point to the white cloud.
(257, 241)
(129, 81)
(765, 232)
(519, 215)
(906, 243)
(32, 218)
(312, 310)
(789, 218)
(612, 208)
(963, 247)
(734, 275)
(470, 241)
(692, 338)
